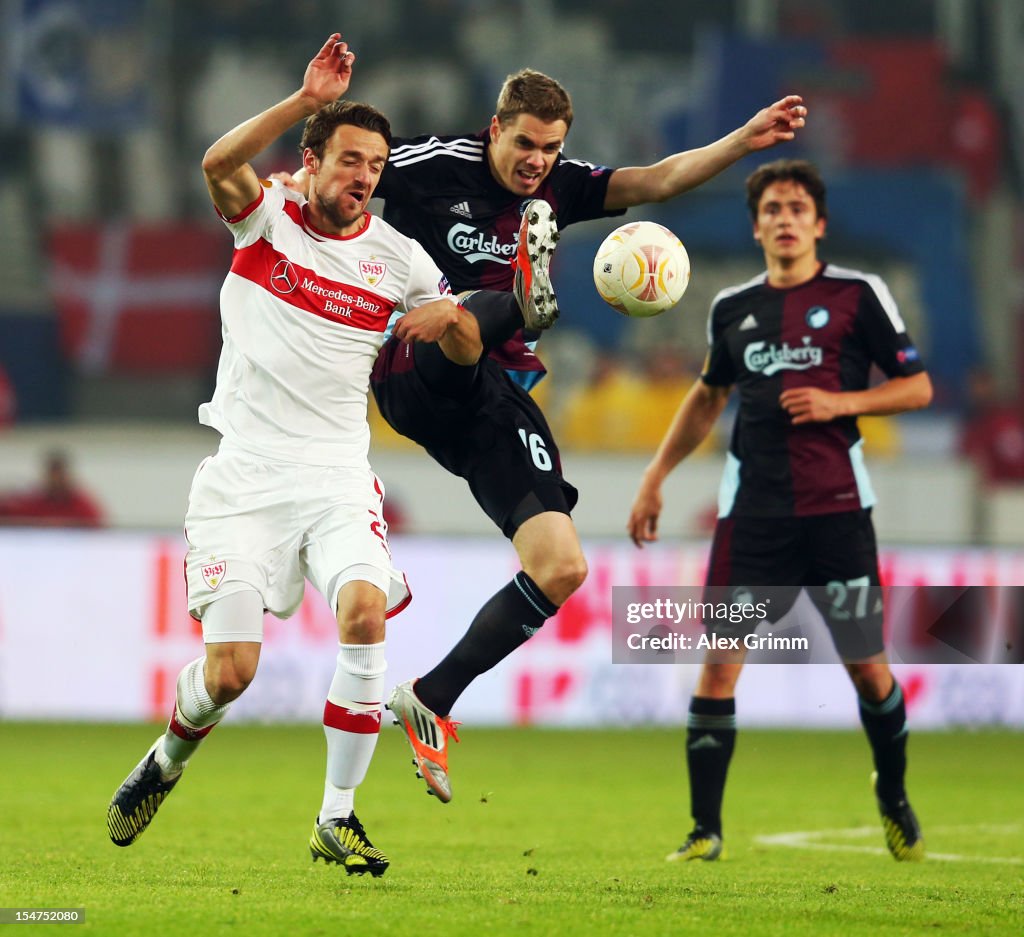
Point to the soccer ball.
(641, 269)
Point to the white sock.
(352, 723)
(338, 802)
(195, 714)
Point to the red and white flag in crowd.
(139, 297)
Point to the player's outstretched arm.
(232, 182)
(661, 181)
(701, 407)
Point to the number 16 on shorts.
(538, 451)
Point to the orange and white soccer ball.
(641, 269)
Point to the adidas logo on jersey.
(461, 208)
(749, 323)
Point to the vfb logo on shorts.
(372, 271)
(213, 573)
(283, 277)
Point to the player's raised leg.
(352, 715)
(204, 691)
(532, 302)
(450, 366)
(538, 234)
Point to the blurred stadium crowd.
(111, 256)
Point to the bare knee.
(574, 573)
(872, 681)
(560, 576)
(367, 629)
(551, 554)
(227, 675)
(718, 680)
(361, 616)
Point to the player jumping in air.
(472, 201)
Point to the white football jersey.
(303, 315)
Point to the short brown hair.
(321, 125)
(534, 93)
(799, 171)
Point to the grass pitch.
(550, 833)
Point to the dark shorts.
(485, 428)
(833, 556)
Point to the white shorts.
(253, 523)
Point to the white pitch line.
(809, 839)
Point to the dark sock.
(498, 315)
(886, 726)
(509, 618)
(710, 739)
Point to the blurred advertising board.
(93, 626)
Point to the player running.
(290, 493)
(798, 341)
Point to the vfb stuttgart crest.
(213, 573)
(372, 271)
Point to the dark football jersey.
(440, 191)
(824, 333)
